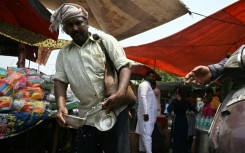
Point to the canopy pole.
(29, 64)
(38, 69)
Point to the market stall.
(26, 106)
(27, 102)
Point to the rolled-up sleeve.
(60, 69)
(116, 52)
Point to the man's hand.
(146, 117)
(62, 111)
(60, 97)
(113, 102)
(199, 75)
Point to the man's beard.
(79, 37)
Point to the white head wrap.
(64, 12)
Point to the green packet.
(69, 105)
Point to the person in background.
(191, 118)
(81, 64)
(200, 104)
(133, 112)
(216, 100)
(157, 93)
(165, 110)
(21, 55)
(146, 112)
(207, 109)
(181, 106)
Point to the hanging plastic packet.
(3, 73)
(16, 79)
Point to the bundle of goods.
(26, 90)
(26, 99)
(5, 103)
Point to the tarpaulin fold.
(124, 19)
(206, 42)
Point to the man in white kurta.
(147, 113)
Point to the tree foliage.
(166, 77)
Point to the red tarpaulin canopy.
(203, 43)
(25, 21)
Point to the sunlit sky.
(204, 7)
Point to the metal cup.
(103, 121)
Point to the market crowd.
(82, 66)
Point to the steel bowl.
(74, 121)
